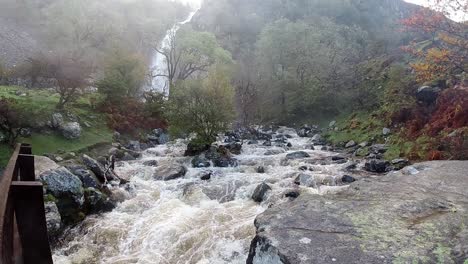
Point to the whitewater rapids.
(176, 222)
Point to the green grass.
(359, 127)
(39, 105)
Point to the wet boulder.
(205, 175)
(200, 162)
(297, 155)
(225, 161)
(260, 169)
(87, 177)
(395, 218)
(234, 148)
(260, 192)
(97, 202)
(53, 219)
(195, 149)
(399, 164)
(378, 166)
(170, 172)
(97, 168)
(68, 191)
(133, 145)
(150, 163)
(274, 151)
(306, 180)
(347, 179)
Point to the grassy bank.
(39, 105)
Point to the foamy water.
(176, 222)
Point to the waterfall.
(159, 64)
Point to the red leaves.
(451, 112)
(130, 116)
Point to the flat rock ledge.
(417, 215)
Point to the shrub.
(204, 107)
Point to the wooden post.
(26, 167)
(32, 225)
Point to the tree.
(188, 53)
(204, 107)
(10, 120)
(306, 67)
(246, 92)
(444, 52)
(124, 76)
(71, 78)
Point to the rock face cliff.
(417, 215)
(17, 43)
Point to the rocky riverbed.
(274, 196)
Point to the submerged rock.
(395, 218)
(170, 172)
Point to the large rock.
(53, 219)
(97, 202)
(297, 155)
(71, 130)
(97, 168)
(396, 218)
(428, 94)
(170, 172)
(200, 162)
(43, 164)
(56, 120)
(87, 177)
(68, 191)
(378, 166)
(260, 192)
(61, 183)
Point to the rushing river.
(177, 222)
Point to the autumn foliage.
(131, 116)
(443, 52)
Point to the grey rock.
(71, 130)
(347, 179)
(222, 192)
(25, 132)
(170, 172)
(200, 162)
(395, 218)
(56, 120)
(428, 94)
(87, 177)
(260, 192)
(260, 169)
(97, 168)
(376, 165)
(150, 163)
(332, 123)
(297, 155)
(127, 157)
(399, 164)
(386, 131)
(274, 151)
(350, 144)
(61, 183)
(205, 175)
(306, 180)
(53, 219)
(134, 145)
(97, 202)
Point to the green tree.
(204, 107)
(189, 53)
(124, 76)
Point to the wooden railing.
(23, 227)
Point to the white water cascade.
(160, 83)
(190, 220)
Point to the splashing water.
(177, 222)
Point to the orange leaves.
(434, 64)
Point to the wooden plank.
(26, 167)
(7, 210)
(25, 149)
(32, 225)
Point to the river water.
(189, 220)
